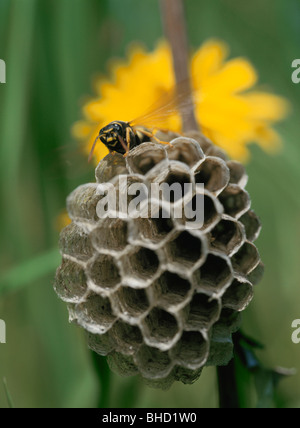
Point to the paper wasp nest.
(158, 299)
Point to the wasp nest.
(159, 299)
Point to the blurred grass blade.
(266, 382)
(14, 116)
(104, 376)
(8, 396)
(29, 271)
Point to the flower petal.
(266, 106)
(207, 61)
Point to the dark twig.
(175, 30)
(228, 395)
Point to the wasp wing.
(177, 100)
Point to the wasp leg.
(128, 139)
(123, 144)
(151, 135)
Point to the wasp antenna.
(93, 148)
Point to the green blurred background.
(53, 49)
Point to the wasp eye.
(117, 127)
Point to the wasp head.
(117, 137)
(112, 133)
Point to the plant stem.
(175, 30)
(228, 394)
(103, 374)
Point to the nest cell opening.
(111, 235)
(82, 202)
(160, 327)
(235, 201)
(96, 313)
(122, 364)
(256, 274)
(154, 230)
(109, 167)
(75, 242)
(185, 249)
(202, 312)
(211, 213)
(70, 282)
(246, 259)
(213, 274)
(104, 272)
(131, 302)
(142, 264)
(213, 173)
(237, 173)
(191, 350)
(171, 289)
(238, 295)
(152, 362)
(144, 157)
(226, 236)
(184, 150)
(252, 225)
(100, 343)
(180, 183)
(127, 337)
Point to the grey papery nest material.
(159, 299)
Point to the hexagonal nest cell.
(227, 236)
(212, 212)
(176, 182)
(235, 200)
(154, 229)
(70, 282)
(185, 150)
(191, 350)
(111, 234)
(184, 251)
(158, 297)
(104, 272)
(127, 338)
(145, 157)
(202, 312)
(170, 290)
(160, 327)
(140, 264)
(130, 303)
(214, 274)
(94, 314)
(213, 173)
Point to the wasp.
(121, 137)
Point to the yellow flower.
(62, 220)
(227, 112)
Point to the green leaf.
(29, 271)
(266, 381)
(14, 117)
(8, 396)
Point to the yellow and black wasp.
(119, 136)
